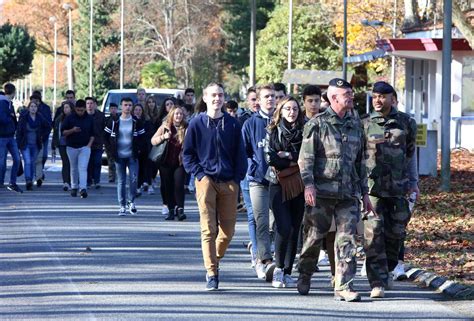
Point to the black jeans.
(144, 170)
(66, 169)
(172, 181)
(288, 217)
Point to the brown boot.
(348, 295)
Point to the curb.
(440, 284)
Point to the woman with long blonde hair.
(172, 172)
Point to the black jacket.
(111, 132)
(43, 132)
(276, 141)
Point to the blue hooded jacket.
(214, 149)
(7, 121)
(254, 133)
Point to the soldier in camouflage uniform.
(333, 169)
(390, 136)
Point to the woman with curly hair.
(171, 170)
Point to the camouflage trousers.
(317, 223)
(383, 234)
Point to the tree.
(313, 47)
(236, 31)
(105, 42)
(35, 15)
(16, 52)
(159, 74)
(169, 30)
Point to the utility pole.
(121, 45)
(344, 44)
(253, 31)
(290, 39)
(446, 99)
(91, 61)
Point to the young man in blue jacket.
(214, 153)
(8, 143)
(253, 133)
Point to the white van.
(116, 95)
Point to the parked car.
(116, 95)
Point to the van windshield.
(117, 97)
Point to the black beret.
(339, 83)
(382, 87)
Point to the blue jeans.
(121, 165)
(9, 144)
(29, 159)
(244, 185)
(260, 197)
(94, 167)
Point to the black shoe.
(83, 193)
(14, 188)
(74, 192)
(97, 186)
(170, 216)
(39, 182)
(111, 180)
(180, 214)
(304, 283)
(29, 186)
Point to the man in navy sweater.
(254, 132)
(8, 143)
(214, 153)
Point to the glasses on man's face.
(295, 109)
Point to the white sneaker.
(260, 269)
(399, 272)
(122, 211)
(151, 190)
(363, 270)
(253, 256)
(288, 281)
(323, 259)
(164, 210)
(131, 208)
(278, 278)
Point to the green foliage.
(16, 52)
(104, 45)
(158, 74)
(312, 47)
(236, 27)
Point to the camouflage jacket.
(390, 146)
(332, 155)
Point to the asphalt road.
(146, 268)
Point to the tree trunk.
(459, 20)
(411, 19)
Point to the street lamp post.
(53, 20)
(121, 44)
(377, 23)
(68, 7)
(90, 47)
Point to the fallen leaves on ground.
(440, 234)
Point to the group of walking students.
(307, 174)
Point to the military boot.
(377, 292)
(171, 215)
(304, 283)
(348, 295)
(180, 214)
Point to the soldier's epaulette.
(365, 116)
